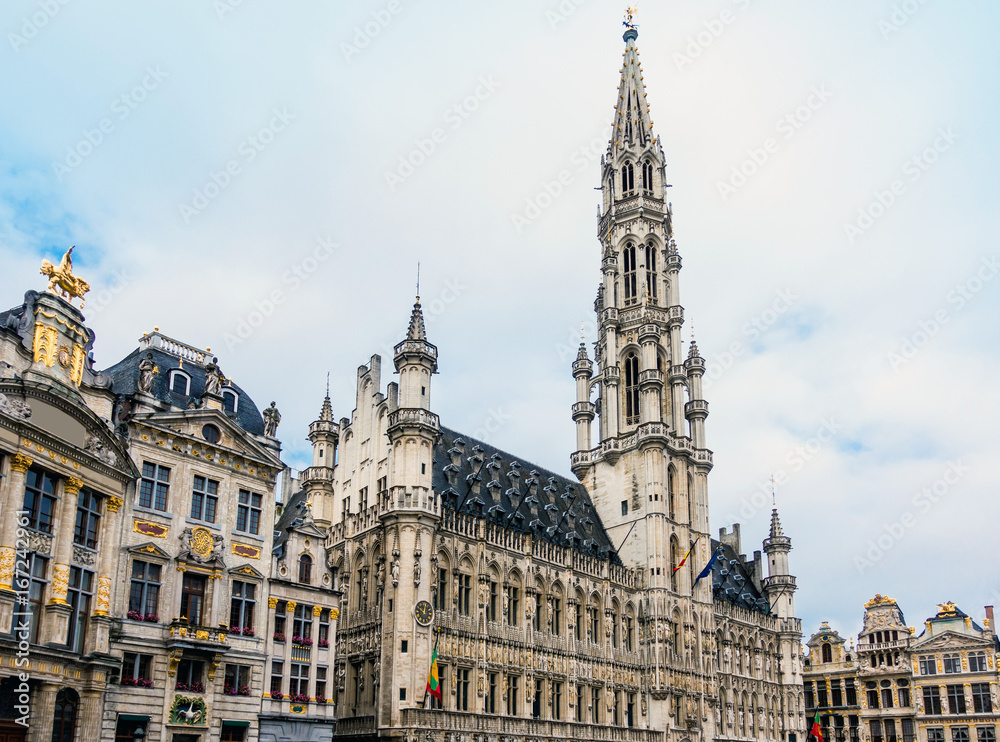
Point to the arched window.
(631, 389)
(675, 558)
(229, 401)
(628, 179)
(305, 569)
(827, 653)
(629, 274)
(613, 618)
(64, 717)
(672, 493)
(647, 176)
(651, 274)
(675, 638)
(180, 382)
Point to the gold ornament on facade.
(72, 486)
(76, 364)
(880, 600)
(201, 541)
(317, 610)
(946, 609)
(20, 463)
(62, 282)
(290, 606)
(113, 504)
(6, 567)
(44, 345)
(103, 596)
(272, 603)
(60, 584)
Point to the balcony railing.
(521, 728)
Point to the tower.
(317, 480)
(779, 589)
(410, 521)
(647, 471)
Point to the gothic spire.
(416, 330)
(633, 125)
(776, 531)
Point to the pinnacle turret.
(775, 525)
(416, 330)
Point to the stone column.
(43, 706)
(63, 540)
(89, 715)
(19, 465)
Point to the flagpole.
(437, 637)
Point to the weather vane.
(629, 12)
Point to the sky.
(263, 178)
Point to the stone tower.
(648, 470)
(410, 520)
(317, 480)
(779, 589)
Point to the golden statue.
(630, 11)
(62, 281)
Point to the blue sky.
(833, 171)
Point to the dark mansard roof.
(492, 484)
(125, 379)
(733, 581)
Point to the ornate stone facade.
(940, 686)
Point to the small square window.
(404, 646)
(402, 694)
(423, 468)
(624, 507)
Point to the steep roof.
(733, 581)
(125, 380)
(495, 485)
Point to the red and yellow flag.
(433, 682)
(684, 560)
(816, 731)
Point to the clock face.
(423, 612)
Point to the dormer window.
(229, 402)
(180, 382)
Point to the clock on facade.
(423, 613)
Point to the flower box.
(247, 631)
(323, 644)
(133, 616)
(300, 698)
(302, 641)
(320, 699)
(137, 682)
(279, 637)
(196, 687)
(277, 694)
(151, 618)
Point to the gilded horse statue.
(62, 281)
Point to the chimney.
(989, 616)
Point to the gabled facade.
(940, 686)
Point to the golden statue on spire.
(630, 11)
(62, 281)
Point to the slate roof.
(733, 582)
(493, 484)
(125, 380)
(291, 512)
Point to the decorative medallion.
(250, 552)
(149, 529)
(201, 541)
(424, 613)
(297, 708)
(63, 356)
(189, 711)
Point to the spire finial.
(774, 499)
(630, 11)
(582, 338)
(328, 383)
(418, 280)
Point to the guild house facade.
(898, 686)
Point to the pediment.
(189, 424)
(951, 640)
(246, 570)
(149, 549)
